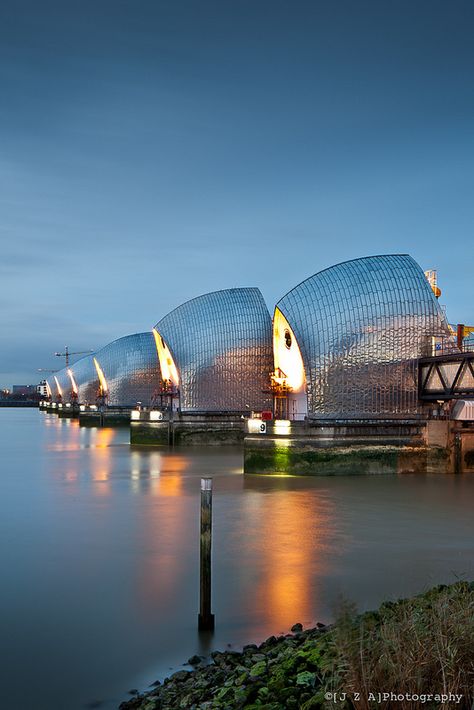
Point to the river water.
(99, 550)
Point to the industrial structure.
(128, 371)
(83, 382)
(217, 351)
(212, 354)
(347, 340)
(360, 354)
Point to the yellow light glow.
(169, 371)
(48, 390)
(101, 376)
(286, 354)
(73, 381)
(282, 426)
(58, 386)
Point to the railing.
(448, 345)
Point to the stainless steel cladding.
(58, 383)
(130, 369)
(221, 345)
(55, 384)
(85, 377)
(360, 326)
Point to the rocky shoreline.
(315, 668)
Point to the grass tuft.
(423, 645)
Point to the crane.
(66, 354)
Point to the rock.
(195, 660)
(296, 628)
(306, 678)
(217, 655)
(221, 659)
(249, 647)
(320, 626)
(258, 669)
(242, 678)
(179, 676)
(240, 696)
(224, 693)
(271, 640)
(133, 691)
(155, 684)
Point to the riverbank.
(408, 654)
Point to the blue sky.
(153, 151)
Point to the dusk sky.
(152, 151)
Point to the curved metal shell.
(85, 376)
(221, 344)
(59, 385)
(66, 384)
(50, 386)
(360, 326)
(131, 369)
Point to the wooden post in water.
(205, 618)
(457, 453)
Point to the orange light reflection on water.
(101, 459)
(294, 552)
(165, 528)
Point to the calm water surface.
(99, 550)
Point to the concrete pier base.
(377, 447)
(110, 417)
(49, 407)
(188, 430)
(315, 447)
(71, 412)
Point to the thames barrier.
(358, 371)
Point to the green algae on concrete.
(187, 433)
(348, 460)
(149, 433)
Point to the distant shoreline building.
(24, 390)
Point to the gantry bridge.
(446, 376)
